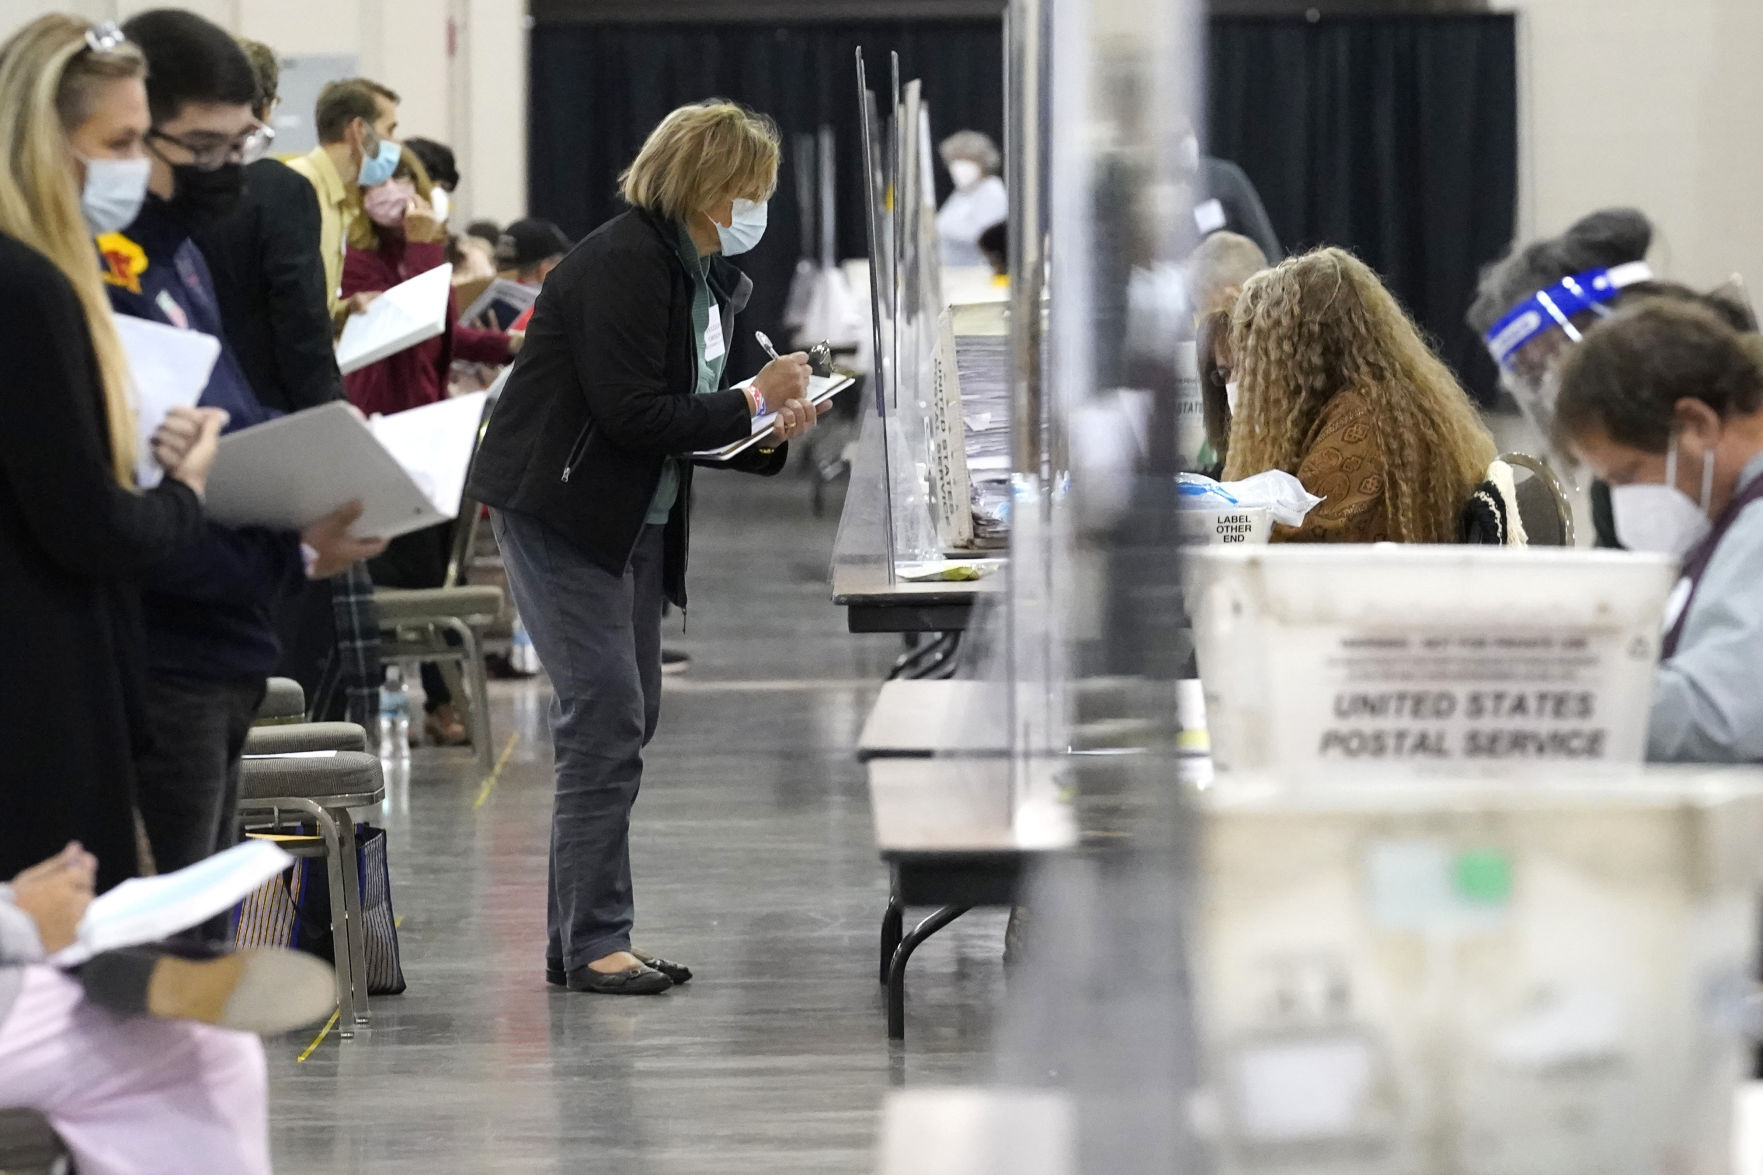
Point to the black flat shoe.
(678, 972)
(636, 981)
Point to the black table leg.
(892, 923)
(897, 968)
(922, 660)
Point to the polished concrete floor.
(755, 864)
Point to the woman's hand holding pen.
(783, 384)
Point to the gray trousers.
(598, 636)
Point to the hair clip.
(104, 38)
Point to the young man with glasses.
(210, 612)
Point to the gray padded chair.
(29, 1146)
(279, 792)
(283, 701)
(1542, 503)
(305, 737)
(414, 622)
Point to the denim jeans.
(598, 635)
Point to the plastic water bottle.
(522, 656)
(394, 716)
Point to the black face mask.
(203, 197)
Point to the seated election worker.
(1214, 276)
(587, 467)
(1664, 401)
(142, 1060)
(1218, 388)
(1336, 386)
(1536, 303)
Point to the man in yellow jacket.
(356, 121)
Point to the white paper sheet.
(291, 472)
(409, 313)
(168, 368)
(147, 909)
(434, 444)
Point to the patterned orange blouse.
(1343, 464)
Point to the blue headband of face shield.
(1556, 306)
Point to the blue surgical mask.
(377, 168)
(748, 225)
(113, 192)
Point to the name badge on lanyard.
(714, 346)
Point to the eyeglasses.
(247, 148)
(105, 38)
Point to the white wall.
(1652, 103)
(472, 97)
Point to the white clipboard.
(821, 388)
(409, 313)
(408, 470)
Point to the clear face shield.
(1533, 335)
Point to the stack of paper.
(168, 368)
(409, 313)
(407, 469)
(982, 364)
(148, 909)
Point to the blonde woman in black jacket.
(587, 469)
(74, 527)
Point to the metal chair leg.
(355, 941)
(892, 922)
(333, 859)
(477, 688)
(897, 968)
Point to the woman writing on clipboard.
(587, 472)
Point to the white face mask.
(1662, 518)
(114, 192)
(746, 227)
(441, 201)
(965, 173)
(1230, 396)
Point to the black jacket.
(71, 540)
(603, 391)
(270, 280)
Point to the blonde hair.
(364, 234)
(49, 76)
(1321, 325)
(700, 156)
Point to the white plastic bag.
(1280, 492)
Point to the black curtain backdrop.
(598, 89)
(1393, 136)
(1396, 137)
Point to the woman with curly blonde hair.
(1337, 386)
